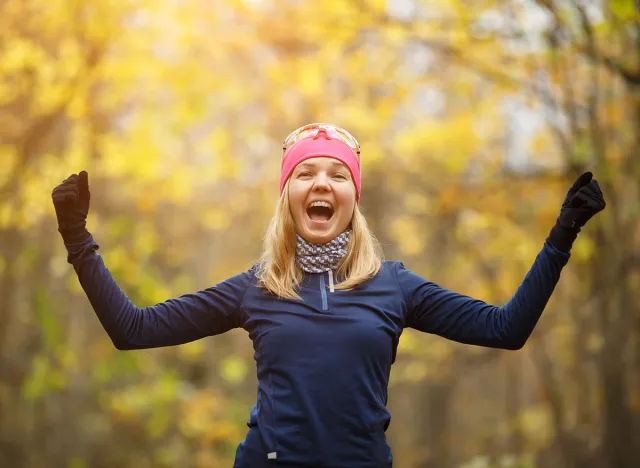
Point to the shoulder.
(406, 279)
(388, 272)
(392, 267)
(241, 280)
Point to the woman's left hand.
(583, 201)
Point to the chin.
(317, 237)
(316, 234)
(320, 239)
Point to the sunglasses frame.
(330, 129)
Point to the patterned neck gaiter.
(318, 258)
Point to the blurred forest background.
(474, 118)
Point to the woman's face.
(313, 184)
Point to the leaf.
(36, 384)
(624, 9)
(408, 233)
(47, 321)
(233, 369)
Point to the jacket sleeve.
(432, 309)
(211, 311)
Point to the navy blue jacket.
(323, 364)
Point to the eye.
(340, 176)
(304, 174)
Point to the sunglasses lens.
(297, 136)
(346, 137)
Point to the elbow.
(127, 344)
(515, 344)
(512, 340)
(513, 335)
(122, 344)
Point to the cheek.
(347, 197)
(296, 197)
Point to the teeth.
(321, 203)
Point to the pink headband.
(316, 147)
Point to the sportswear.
(323, 363)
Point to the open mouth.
(320, 211)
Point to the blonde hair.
(278, 271)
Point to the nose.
(321, 182)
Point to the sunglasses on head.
(314, 129)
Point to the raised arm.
(187, 318)
(433, 309)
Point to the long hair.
(278, 271)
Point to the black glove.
(582, 202)
(71, 202)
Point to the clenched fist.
(583, 201)
(71, 202)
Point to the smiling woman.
(320, 184)
(323, 311)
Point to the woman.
(322, 309)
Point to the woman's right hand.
(71, 202)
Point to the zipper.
(323, 292)
(323, 289)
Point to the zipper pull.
(331, 281)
